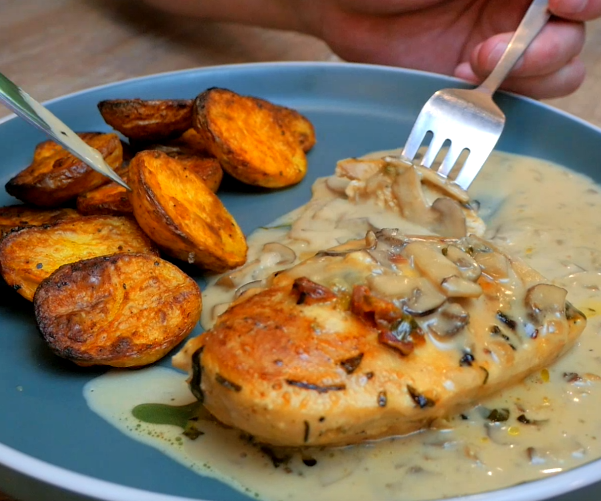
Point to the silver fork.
(470, 119)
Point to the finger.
(556, 45)
(557, 84)
(576, 10)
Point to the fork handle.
(536, 17)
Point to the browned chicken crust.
(56, 176)
(139, 308)
(29, 255)
(340, 349)
(182, 215)
(148, 120)
(257, 142)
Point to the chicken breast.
(377, 338)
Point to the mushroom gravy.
(534, 210)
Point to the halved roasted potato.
(56, 176)
(29, 255)
(152, 120)
(124, 310)
(182, 215)
(191, 142)
(207, 168)
(257, 142)
(110, 199)
(113, 199)
(19, 216)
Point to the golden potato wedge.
(55, 176)
(207, 168)
(20, 216)
(124, 310)
(299, 125)
(110, 199)
(257, 142)
(182, 215)
(113, 199)
(190, 141)
(153, 120)
(29, 255)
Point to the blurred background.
(54, 47)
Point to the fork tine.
(415, 140)
(450, 159)
(435, 146)
(472, 166)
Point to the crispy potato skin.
(55, 176)
(125, 310)
(29, 255)
(182, 215)
(255, 141)
(20, 216)
(298, 124)
(207, 168)
(190, 141)
(111, 199)
(153, 120)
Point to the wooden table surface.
(53, 47)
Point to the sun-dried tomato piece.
(310, 292)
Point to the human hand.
(464, 38)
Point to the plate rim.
(104, 490)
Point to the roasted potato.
(255, 141)
(55, 176)
(125, 310)
(207, 168)
(113, 199)
(190, 142)
(110, 199)
(297, 124)
(29, 255)
(182, 215)
(19, 216)
(142, 120)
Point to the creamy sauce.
(540, 212)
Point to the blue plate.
(51, 446)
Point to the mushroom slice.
(449, 320)
(468, 267)
(451, 189)
(544, 300)
(338, 184)
(424, 300)
(369, 243)
(359, 169)
(493, 264)
(430, 262)
(287, 255)
(460, 287)
(236, 277)
(255, 284)
(394, 285)
(450, 219)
